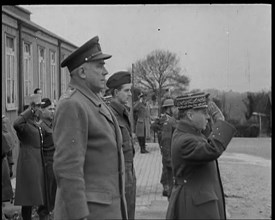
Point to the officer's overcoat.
(128, 150)
(198, 191)
(142, 115)
(88, 159)
(29, 189)
(9, 141)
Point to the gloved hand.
(214, 111)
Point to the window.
(11, 72)
(65, 78)
(28, 70)
(42, 71)
(53, 76)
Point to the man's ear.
(190, 114)
(115, 92)
(82, 72)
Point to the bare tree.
(158, 73)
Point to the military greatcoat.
(142, 115)
(122, 116)
(88, 159)
(29, 189)
(198, 191)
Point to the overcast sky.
(220, 46)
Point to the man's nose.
(104, 71)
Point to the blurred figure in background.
(30, 181)
(142, 118)
(9, 142)
(38, 91)
(165, 126)
(47, 108)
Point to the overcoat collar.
(85, 91)
(188, 127)
(119, 108)
(93, 97)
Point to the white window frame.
(28, 69)
(11, 73)
(65, 78)
(53, 78)
(42, 80)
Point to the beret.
(118, 79)
(45, 102)
(192, 101)
(90, 51)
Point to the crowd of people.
(76, 159)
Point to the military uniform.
(142, 126)
(198, 191)
(88, 159)
(122, 115)
(165, 126)
(9, 142)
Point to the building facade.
(31, 57)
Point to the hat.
(168, 102)
(118, 79)
(192, 101)
(88, 52)
(45, 102)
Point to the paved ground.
(150, 204)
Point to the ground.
(246, 176)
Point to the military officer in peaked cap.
(120, 85)
(88, 160)
(197, 191)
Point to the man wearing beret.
(88, 159)
(198, 191)
(120, 87)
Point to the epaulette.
(69, 92)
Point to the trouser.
(26, 212)
(141, 141)
(130, 189)
(167, 177)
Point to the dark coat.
(123, 119)
(142, 116)
(88, 159)
(48, 151)
(29, 189)
(167, 128)
(198, 191)
(9, 141)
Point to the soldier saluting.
(198, 191)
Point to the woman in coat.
(29, 189)
(198, 191)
